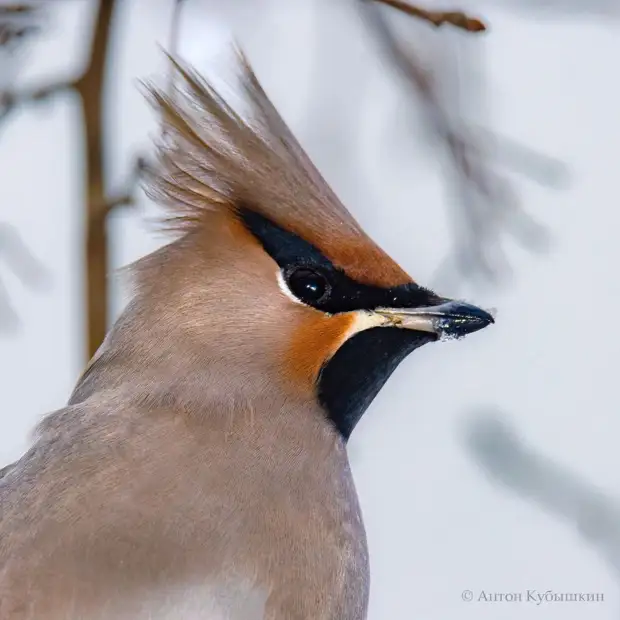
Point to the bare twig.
(17, 9)
(438, 18)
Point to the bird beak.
(448, 319)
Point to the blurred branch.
(508, 461)
(10, 101)
(9, 319)
(127, 197)
(485, 200)
(89, 86)
(18, 22)
(15, 253)
(23, 264)
(437, 18)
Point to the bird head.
(272, 284)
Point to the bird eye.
(308, 285)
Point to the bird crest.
(212, 158)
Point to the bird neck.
(163, 371)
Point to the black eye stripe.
(349, 381)
(291, 252)
(286, 248)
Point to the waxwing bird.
(199, 470)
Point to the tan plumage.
(199, 469)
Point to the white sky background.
(437, 525)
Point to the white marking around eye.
(364, 319)
(285, 289)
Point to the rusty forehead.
(359, 257)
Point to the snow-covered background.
(489, 465)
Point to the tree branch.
(437, 18)
(89, 87)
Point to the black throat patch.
(350, 380)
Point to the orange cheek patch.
(313, 342)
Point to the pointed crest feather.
(210, 157)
